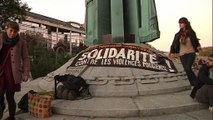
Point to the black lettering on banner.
(122, 55)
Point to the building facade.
(54, 30)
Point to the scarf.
(9, 41)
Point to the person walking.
(186, 44)
(15, 64)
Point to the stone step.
(203, 114)
(120, 107)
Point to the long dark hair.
(188, 29)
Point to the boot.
(2, 107)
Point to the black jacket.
(203, 75)
(203, 79)
(175, 47)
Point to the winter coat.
(19, 60)
(175, 47)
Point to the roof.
(52, 20)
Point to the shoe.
(211, 108)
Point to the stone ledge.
(120, 107)
(97, 107)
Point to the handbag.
(39, 105)
(2, 66)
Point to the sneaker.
(211, 108)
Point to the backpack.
(76, 84)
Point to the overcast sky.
(198, 12)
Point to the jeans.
(187, 61)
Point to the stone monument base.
(119, 91)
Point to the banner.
(123, 55)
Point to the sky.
(198, 12)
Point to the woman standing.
(16, 66)
(186, 44)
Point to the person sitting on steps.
(203, 92)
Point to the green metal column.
(121, 21)
(103, 19)
(91, 22)
(117, 21)
(98, 21)
(131, 19)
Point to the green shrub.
(43, 60)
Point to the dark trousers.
(187, 61)
(205, 94)
(10, 100)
